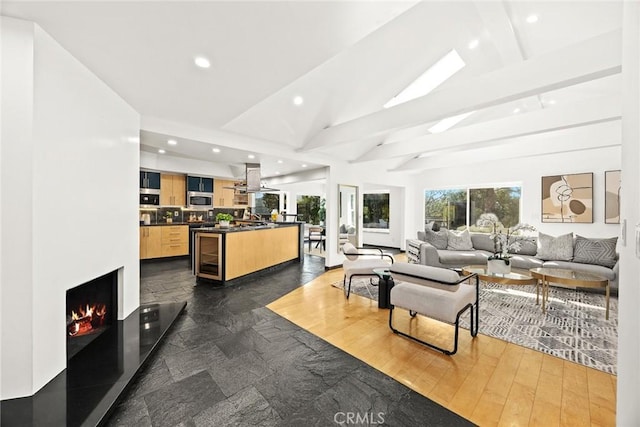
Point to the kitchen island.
(222, 255)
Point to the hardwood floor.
(489, 382)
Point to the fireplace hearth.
(85, 393)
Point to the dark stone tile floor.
(229, 361)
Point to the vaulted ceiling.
(523, 83)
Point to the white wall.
(162, 162)
(528, 173)
(628, 410)
(77, 214)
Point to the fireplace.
(92, 308)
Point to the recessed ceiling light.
(277, 173)
(304, 165)
(473, 44)
(280, 161)
(161, 151)
(298, 100)
(516, 110)
(216, 150)
(133, 139)
(172, 142)
(532, 19)
(551, 102)
(251, 156)
(202, 62)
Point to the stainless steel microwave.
(199, 200)
(149, 199)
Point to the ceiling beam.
(584, 61)
(497, 23)
(579, 139)
(535, 122)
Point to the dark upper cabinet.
(200, 184)
(150, 180)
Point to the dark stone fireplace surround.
(100, 366)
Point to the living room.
(45, 149)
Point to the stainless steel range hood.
(253, 182)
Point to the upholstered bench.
(434, 292)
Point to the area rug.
(574, 327)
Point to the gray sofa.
(421, 252)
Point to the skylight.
(449, 122)
(437, 74)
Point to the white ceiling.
(345, 58)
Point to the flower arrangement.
(505, 240)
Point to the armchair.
(361, 262)
(434, 292)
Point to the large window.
(309, 209)
(447, 208)
(460, 208)
(266, 202)
(375, 211)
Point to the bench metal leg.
(473, 329)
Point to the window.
(375, 211)
(460, 208)
(448, 208)
(309, 209)
(266, 202)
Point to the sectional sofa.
(423, 251)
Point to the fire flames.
(86, 319)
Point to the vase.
(223, 224)
(498, 266)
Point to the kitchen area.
(213, 222)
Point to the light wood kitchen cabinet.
(150, 242)
(222, 195)
(173, 190)
(163, 241)
(175, 240)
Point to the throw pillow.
(555, 248)
(528, 247)
(595, 251)
(439, 239)
(459, 241)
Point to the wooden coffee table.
(571, 278)
(516, 277)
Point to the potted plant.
(224, 219)
(506, 241)
(168, 217)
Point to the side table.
(385, 283)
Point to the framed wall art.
(612, 197)
(567, 198)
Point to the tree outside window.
(266, 202)
(449, 207)
(375, 211)
(308, 209)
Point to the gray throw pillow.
(595, 251)
(555, 248)
(439, 239)
(528, 246)
(459, 241)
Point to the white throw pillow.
(459, 241)
(555, 248)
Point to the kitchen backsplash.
(178, 215)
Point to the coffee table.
(571, 278)
(515, 277)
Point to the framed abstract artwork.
(612, 197)
(567, 198)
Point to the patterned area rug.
(574, 327)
